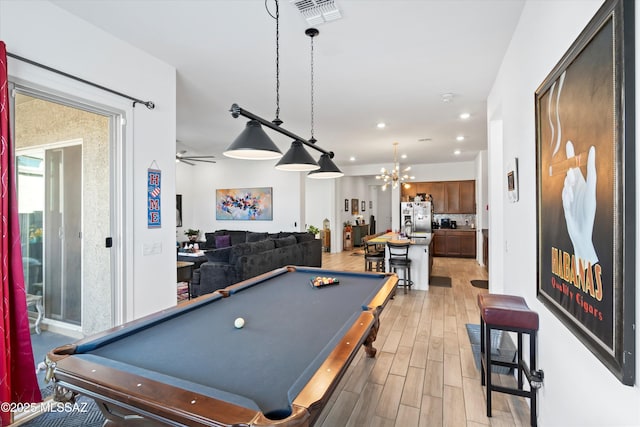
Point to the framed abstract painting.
(244, 204)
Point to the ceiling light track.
(237, 111)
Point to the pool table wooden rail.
(132, 399)
(126, 398)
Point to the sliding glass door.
(63, 154)
(63, 225)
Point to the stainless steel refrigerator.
(416, 218)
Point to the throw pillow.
(285, 241)
(252, 236)
(210, 240)
(237, 236)
(218, 255)
(304, 237)
(223, 241)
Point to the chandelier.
(395, 177)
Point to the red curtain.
(18, 382)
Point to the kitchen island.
(420, 254)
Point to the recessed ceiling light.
(381, 125)
(404, 156)
(457, 152)
(459, 138)
(465, 116)
(446, 97)
(353, 159)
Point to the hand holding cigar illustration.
(579, 200)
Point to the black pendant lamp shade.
(327, 170)
(297, 159)
(253, 144)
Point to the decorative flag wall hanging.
(153, 198)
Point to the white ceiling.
(387, 61)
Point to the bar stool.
(399, 260)
(509, 313)
(372, 257)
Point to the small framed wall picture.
(363, 206)
(354, 206)
(512, 180)
(346, 205)
(370, 204)
(178, 210)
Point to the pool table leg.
(368, 342)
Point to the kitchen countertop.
(459, 228)
(395, 238)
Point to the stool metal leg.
(534, 391)
(520, 365)
(487, 344)
(407, 276)
(482, 381)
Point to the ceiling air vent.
(317, 12)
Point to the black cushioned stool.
(372, 257)
(509, 313)
(399, 260)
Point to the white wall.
(354, 187)
(198, 189)
(482, 219)
(320, 202)
(42, 32)
(482, 186)
(578, 389)
(422, 172)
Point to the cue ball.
(239, 323)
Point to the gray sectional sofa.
(250, 254)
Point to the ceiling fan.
(180, 157)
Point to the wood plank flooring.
(424, 373)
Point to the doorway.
(63, 152)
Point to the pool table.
(189, 365)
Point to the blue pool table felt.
(290, 329)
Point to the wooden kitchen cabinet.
(454, 243)
(449, 197)
(436, 189)
(460, 197)
(420, 187)
(467, 243)
(452, 196)
(467, 197)
(439, 241)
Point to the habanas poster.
(580, 171)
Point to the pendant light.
(253, 143)
(297, 159)
(328, 168)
